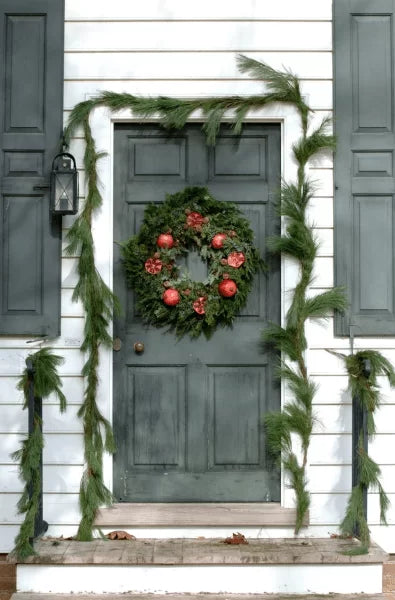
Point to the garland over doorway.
(297, 242)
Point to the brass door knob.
(138, 347)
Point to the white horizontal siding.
(204, 9)
(234, 36)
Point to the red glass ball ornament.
(153, 266)
(171, 297)
(198, 305)
(195, 220)
(218, 240)
(236, 259)
(165, 240)
(227, 288)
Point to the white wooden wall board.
(331, 388)
(72, 386)
(330, 449)
(57, 479)
(214, 9)
(318, 93)
(323, 273)
(8, 392)
(381, 448)
(62, 479)
(69, 272)
(330, 508)
(321, 362)
(329, 478)
(12, 361)
(9, 479)
(188, 65)
(9, 443)
(63, 449)
(202, 35)
(7, 536)
(8, 509)
(68, 307)
(71, 329)
(322, 180)
(320, 212)
(324, 237)
(333, 418)
(61, 508)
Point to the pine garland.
(367, 390)
(223, 238)
(46, 382)
(298, 242)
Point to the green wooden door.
(188, 413)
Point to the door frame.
(102, 124)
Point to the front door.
(188, 414)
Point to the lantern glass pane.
(64, 191)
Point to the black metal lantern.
(64, 185)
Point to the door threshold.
(197, 514)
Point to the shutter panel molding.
(364, 164)
(31, 117)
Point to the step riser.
(259, 579)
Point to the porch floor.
(207, 551)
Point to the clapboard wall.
(178, 48)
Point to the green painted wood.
(188, 413)
(31, 104)
(364, 164)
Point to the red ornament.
(236, 259)
(171, 297)
(153, 266)
(218, 240)
(195, 220)
(227, 288)
(198, 305)
(165, 240)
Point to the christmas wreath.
(166, 294)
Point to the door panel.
(188, 413)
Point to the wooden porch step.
(275, 566)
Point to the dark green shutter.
(364, 164)
(31, 104)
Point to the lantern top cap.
(58, 157)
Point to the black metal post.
(359, 430)
(35, 409)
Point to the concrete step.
(33, 596)
(178, 566)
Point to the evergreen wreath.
(165, 291)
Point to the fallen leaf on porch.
(237, 538)
(120, 535)
(201, 537)
(340, 536)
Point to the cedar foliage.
(46, 382)
(367, 390)
(298, 242)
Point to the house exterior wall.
(184, 49)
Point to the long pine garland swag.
(46, 382)
(223, 238)
(297, 242)
(367, 390)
